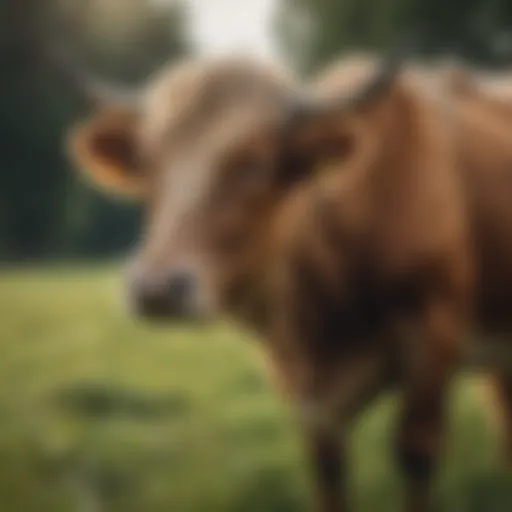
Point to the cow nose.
(180, 287)
(171, 295)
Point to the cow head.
(210, 147)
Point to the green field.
(99, 413)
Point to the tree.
(475, 29)
(44, 210)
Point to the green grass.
(100, 413)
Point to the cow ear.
(325, 145)
(105, 149)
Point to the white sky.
(220, 26)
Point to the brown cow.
(343, 224)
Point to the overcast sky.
(225, 25)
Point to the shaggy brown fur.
(484, 104)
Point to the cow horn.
(91, 89)
(380, 83)
(305, 107)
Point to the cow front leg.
(298, 382)
(419, 444)
(326, 397)
(433, 360)
(327, 420)
(325, 451)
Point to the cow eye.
(245, 169)
(228, 245)
(254, 163)
(252, 166)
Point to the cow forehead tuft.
(193, 76)
(179, 91)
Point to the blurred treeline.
(478, 30)
(45, 212)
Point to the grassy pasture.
(100, 413)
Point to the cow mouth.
(160, 312)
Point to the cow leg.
(326, 458)
(419, 444)
(326, 421)
(327, 396)
(427, 375)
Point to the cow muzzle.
(170, 295)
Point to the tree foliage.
(44, 210)
(312, 32)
